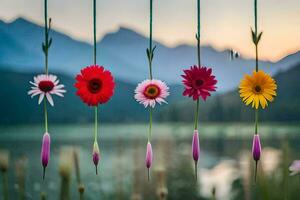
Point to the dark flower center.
(152, 91)
(199, 82)
(46, 86)
(95, 85)
(257, 89)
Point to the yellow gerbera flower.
(258, 89)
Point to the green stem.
(151, 13)
(81, 196)
(46, 115)
(196, 170)
(46, 34)
(96, 124)
(43, 196)
(95, 40)
(46, 46)
(5, 185)
(150, 41)
(255, 171)
(256, 57)
(198, 33)
(65, 189)
(256, 121)
(196, 115)
(150, 57)
(148, 174)
(255, 16)
(256, 32)
(150, 125)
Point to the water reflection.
(225, 164)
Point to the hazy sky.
(225, 23)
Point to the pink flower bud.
(96, 155)
(149, 155)
(196, 146)
(256, 148)
(45, 153)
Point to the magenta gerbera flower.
(150, 92)
(199, 81)
(46, 85)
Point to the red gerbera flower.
(95, 85)
(198, 81)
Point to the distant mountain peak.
(123, 35)
(21, 20)
(123, 29)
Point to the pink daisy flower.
(198, 81)
(45, 85)
(150, 92)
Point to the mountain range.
(123, 52)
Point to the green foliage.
(181, 181)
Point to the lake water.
(122, 147)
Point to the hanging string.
(256, 38)
(45, 46)
(256, 43)
(150, 54)
(198, 33)
(199, 61)
(95, 62)
(95, 29)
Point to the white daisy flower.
(46, 85)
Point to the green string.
(150, 50)
(256, 31)
(150, 58)
(199, 61)
(95, 41)
(256, 121)
(256, 59)
(46, 46)
(46, 35)
(198, 33)
(151, 12)
(46, 115)
(196, 115)
(150, 125)
(256, 69)
(95, 62)
(96, 124)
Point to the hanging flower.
(258, 89)
(46, 85)
(295, 167)
(199, 81)
(45, 153)
(256, 148)
(95, 85)
(149, 155)
(196, 146)
(149, 158)
(150, 92)
(96, 155)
